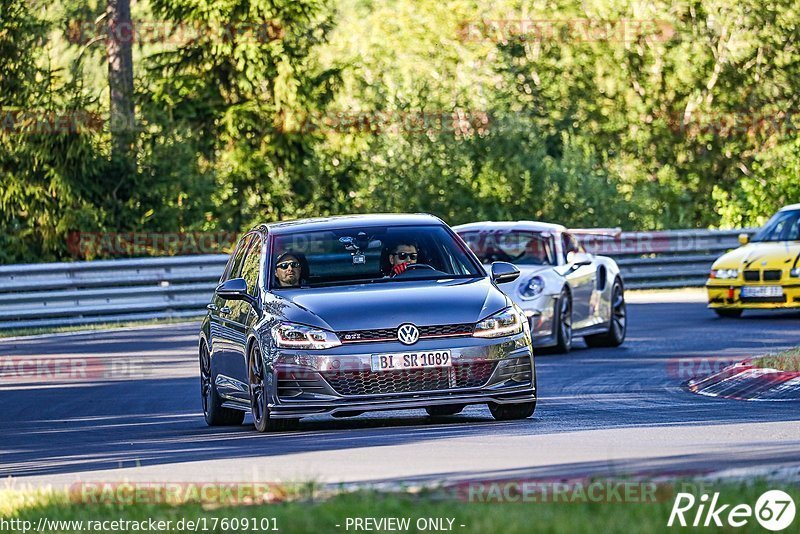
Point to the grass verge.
(428, 509)
(788, 360)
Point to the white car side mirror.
(578, 259)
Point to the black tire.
(259, 408)
(445, 410)
(618, 326)
(563, 320)
(509, 412)
(728, 313)
(213, 411)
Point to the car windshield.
(523, 247)
(783, 226)
(369, 255)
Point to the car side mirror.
(579, 259)
(744, 239)
(503, 272)
(236, 289)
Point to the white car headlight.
(724, 274)
(533, 288)
(298, 336)
(504, 323)
(795, 273)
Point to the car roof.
(532, 226)
(350, 221)
(790, 207)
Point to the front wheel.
(259, 399)
(728, 313)
(509, 412)
(564, 322)
(618, 325)
(213, 411)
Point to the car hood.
(754, 256)
(389, 304)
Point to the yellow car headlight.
(724, 274)
(795, 273)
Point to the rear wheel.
(618, 325)
(728, 312)
(508, 412)
(444, 410)
(258, 396)
(564, 322)
(213, 411)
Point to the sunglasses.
(286, 264)
(406, 255)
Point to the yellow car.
(762, 274)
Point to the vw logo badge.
(407, 334)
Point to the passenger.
(401, 256)
(290, 269)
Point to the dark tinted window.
(361, 255)
(234, 266)
(250, 267)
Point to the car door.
(581, 280)
(243, 314)
(225, 334)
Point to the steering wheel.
(412, 267)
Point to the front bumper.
(341, 381)
(728, 296)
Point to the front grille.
(771, 276)
(390, 334)
(752, 276)
(469, 375)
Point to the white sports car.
(565, 291)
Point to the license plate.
(411, 360)
(762, 291)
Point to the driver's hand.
(399, 268)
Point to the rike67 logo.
(774, 510)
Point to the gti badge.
(407, 334)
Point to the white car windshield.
(522, 247)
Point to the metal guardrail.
(668, 259)
(60, 294)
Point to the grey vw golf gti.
(345, 315)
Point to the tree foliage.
(664, 114)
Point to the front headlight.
(298, 336)
(533, 288)
(724, 274)
(795, 273)
(500, 324)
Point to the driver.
(401, 256)
(290, 269)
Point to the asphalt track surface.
(620, 412)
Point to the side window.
(235, 263)
(250, 267)
(569, 244)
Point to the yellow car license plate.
(762, 291)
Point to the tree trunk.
(119, 44)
